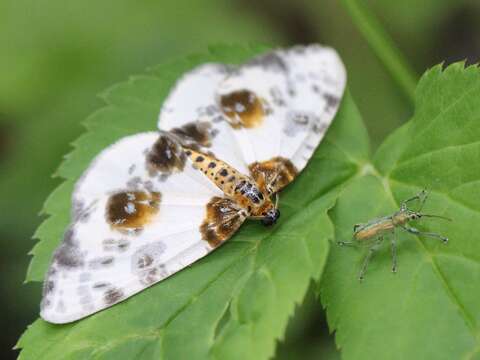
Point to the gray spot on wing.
(277, 96)
(45, 303)
(271, 61)
(219, 118)
(214, 113)
(299, 49)
(319, 127)
(298, 121)
(113, 295)
(131, 169)
(134, 183)
(148, 185)
(151, 276)
(68, 254)
(146, 262)
(209, 110)
(100, 285)
(82, 212)
(116, 245)
(147, 256)
(48, 287)
(78, 207)
(101, 262)
(332, 101)
(163, 177)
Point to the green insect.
(372, 233)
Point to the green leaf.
(236, 302)
(429, 309)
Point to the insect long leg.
(361, 275)
(422, 196)
(415, 231)
(371, 251)
(346, 243)
(394, 252)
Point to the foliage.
(241, 296)
(236, 302)
(428, 310)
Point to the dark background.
(56, 55)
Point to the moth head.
(271, 217)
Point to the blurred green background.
(56, 56)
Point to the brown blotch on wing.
(243, 108)
(223, 219)
(273, 175)
(166, 156)
(132, 209)
(194, 133)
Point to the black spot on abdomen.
(224, 172)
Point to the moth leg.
(369, 256)
(394, 251)
(415, 231)
(270, 188)
(277, 200)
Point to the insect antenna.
(423, 198)
(436, 216)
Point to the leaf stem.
(383, 46)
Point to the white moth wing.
(278, 105)
(301, 89)
(192, 100)
(251, 99)
(317, 79)
(98, 265)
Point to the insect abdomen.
(374, 230)
(218, 171)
